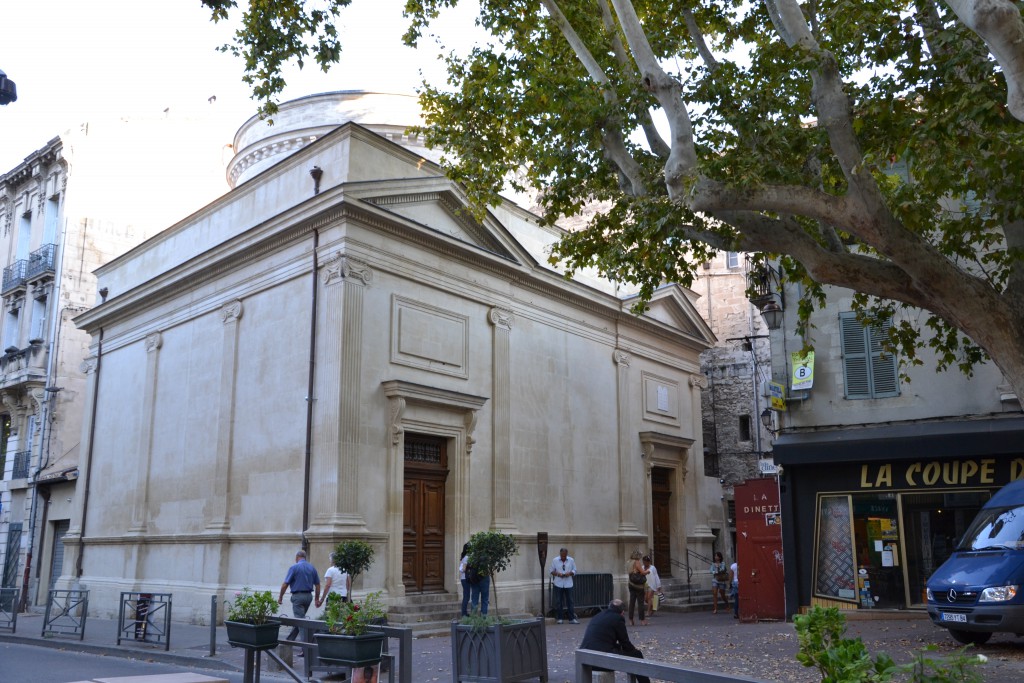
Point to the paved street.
(698, 640)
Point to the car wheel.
(970, 637)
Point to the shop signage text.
(985, 471)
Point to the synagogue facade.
(338, 349)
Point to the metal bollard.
(213, 625)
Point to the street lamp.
(768, 421)
(8, 90)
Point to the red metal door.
(759, 550)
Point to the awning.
(940, 439)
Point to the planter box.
(250, 636)
(500, 654)
(350, 650)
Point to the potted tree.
(353, 557)
(249, 621)
(488, 648)
(348, 639)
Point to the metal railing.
(14, 275)
(21, 462)
(589, 591)
(305, 641)
(9, 609)
(589, 662)
(41, 261)
(692, 558)
(65, 613)
(145, 618)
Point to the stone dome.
(297, 123)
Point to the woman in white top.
(337, 582)
(653, 594)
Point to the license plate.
(953, 616)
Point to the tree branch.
(615, 145)
(682, 161)
(654, 140)
(698, 39)
(999, 24)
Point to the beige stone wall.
(553, 400)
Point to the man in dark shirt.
(607, 633)
(302, 579)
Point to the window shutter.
(869, 371)
(855, 357)
(884, 379)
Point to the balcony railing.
(41, 261)
(15, 275)
(21, 459)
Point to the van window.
(996, 528)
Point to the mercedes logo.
(951, 596)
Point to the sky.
(81, 60)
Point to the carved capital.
(231, 311)
(699, 381)
(621, 357)
(154, 342)
(500, 317)
(89, 365)
(12, 402)
(330, 270)
(353, 269)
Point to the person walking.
(606, 632)
(337, 582)
(735, 571)
(302, 579)
(653, 594)
(637, 587)
(563, 568)
(480, 587)
(719, 583)
(466, 588)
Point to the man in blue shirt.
(303, 580)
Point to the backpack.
(472, 575)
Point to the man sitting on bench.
(606, 632)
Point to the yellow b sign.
(803, 370)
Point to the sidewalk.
(698, 640)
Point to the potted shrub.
(249, 620)
(353, 557)
(348, 639)
(489, 648)
(491, 552)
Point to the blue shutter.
(855, 357)
(868, 370)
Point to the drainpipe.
(309, 392)
(88, 467)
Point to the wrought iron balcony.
(15, 275)
(41, 261)
(21, 460)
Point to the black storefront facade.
(871, 512)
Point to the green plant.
(479, 623)
(353, 557)
(847, 660)
(251, 607)
(350, 618)
(491, 552)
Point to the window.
(11, 332)
(50, 224)
(732, 259)
(869, 372)
(24, 236)
(38, 325)
(744, 428)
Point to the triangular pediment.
(674, 306)
(435, 204)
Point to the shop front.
(877, 509)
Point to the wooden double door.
(661, 518)
(423, 554)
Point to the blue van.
(979, 590)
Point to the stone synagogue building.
(334, 349)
